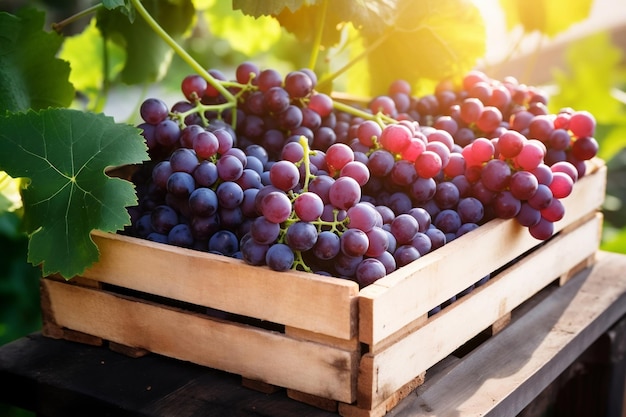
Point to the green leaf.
(85, 54)
(147, 56)
(244, 33)
(437, 39)
(30, 74)
(64, 154)
(548, 17)
(268, 7)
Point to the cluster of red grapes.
(286, 180)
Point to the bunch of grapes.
(291, 179)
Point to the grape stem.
(318, 36)
(59, 26)
(180, 51)
(380, 118)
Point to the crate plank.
(319, 304)
(253, 353)
(408, 293)
(383, 372)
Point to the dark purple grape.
(153, 111)
(180, 235)
(224, 242)
(279, 257)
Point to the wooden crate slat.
(388, 370)
(253, 353)
(319, 304)
(410, 292)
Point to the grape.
(369, 271)
(224, 242)
(378, 242)
(246, 72)
(470, 210)
(384, 105)
(276, 206)
(489, 119)
(298, 84)
(321, 103)
(183, 160)
(448, 221)
(308, 206)
(362, 216)
(582, 124)
(337, 156)
(530, 156)
(344, 193)
(153, 111)
(203, 202)
(354, 242)
(279, 257)
(510, 143)
(346, 265)
(542, 197)
(380, 163)
(320, 185)
(254, 253)
(357, 170)
(471, 109)
(327, 245)
(180, 235)
(506, 206)
(229, 194)
(205, 174)
(193, 87)
(446, 195)
(180, 184)
(405, 254)
(428, 164)
(229, 168)
(395, 138)
(561, 185)
(542, 230)
(422, 243)
(205, 144)
(527, 215)
(284, 175)
(163, 218)
(523, 185)
(496, 175)
(403, 173)
(567, 168)
(167, 132)
(585, 148)
(404, 227)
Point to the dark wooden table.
(501, 377)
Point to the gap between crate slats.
(252, 353)
(386, 371)
(409, 293)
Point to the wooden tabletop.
(498, 378)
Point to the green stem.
(379, 118)
(182, 53)
(58, 27)
(318, 36)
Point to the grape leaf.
(64, 153)
(30, 74)
(85, 54)
(435, 40)
(268, 7)
(548, 17)
(147, 56)
(303, 18)
(124, 6)
(244, 33)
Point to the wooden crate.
(355, 352)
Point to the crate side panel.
(318, 304)
(253, 353)
(394, 366)
(410, 292)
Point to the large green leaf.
(30, 74)
(548, 17)
(433, 39)
(147, 55)
(64, 154)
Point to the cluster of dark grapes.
(288, 179)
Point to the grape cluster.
(291, 179)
